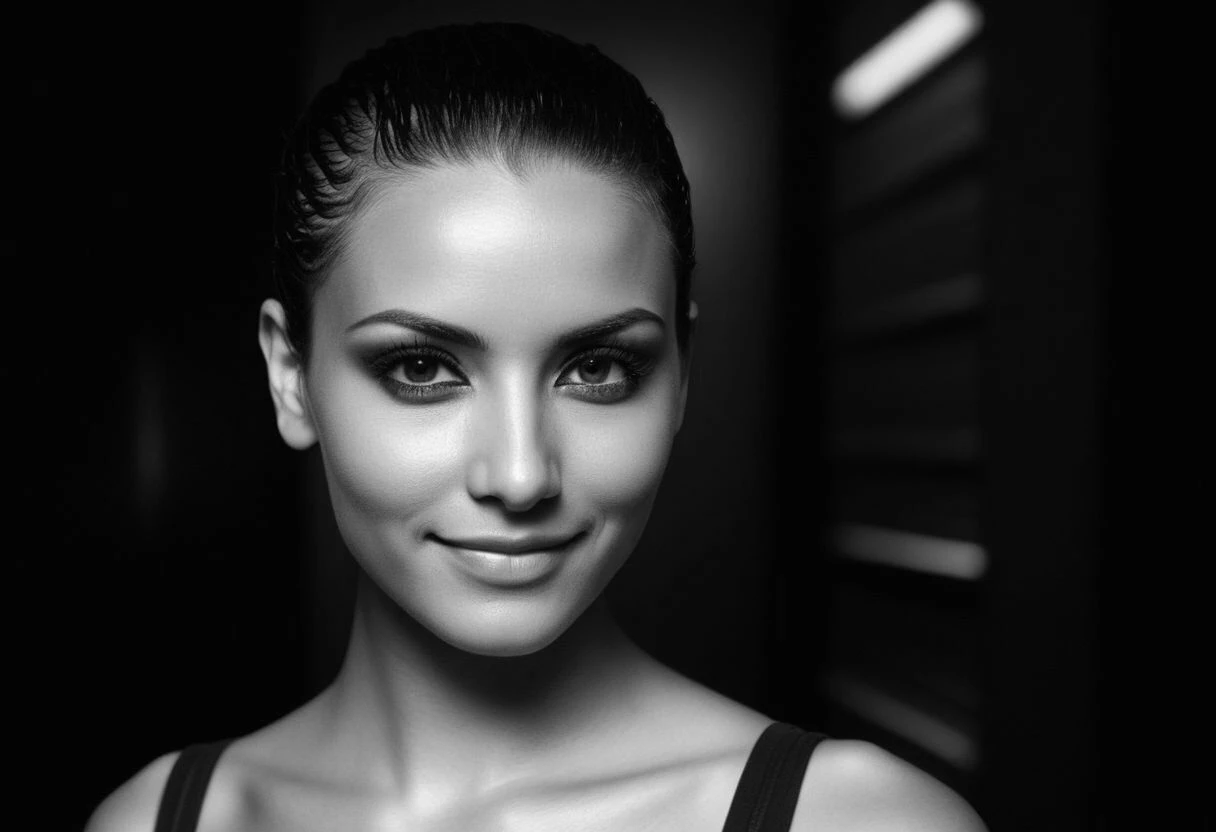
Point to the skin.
(465, 703)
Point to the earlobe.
(285, 373)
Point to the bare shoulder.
(852, 785)
(132, 806)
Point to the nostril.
(515, 494)
(514, 462)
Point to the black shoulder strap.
(768, 789)
(182, 800)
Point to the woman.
(486, 247)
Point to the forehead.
(481, 247)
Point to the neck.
(416, 706)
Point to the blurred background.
(893, 510)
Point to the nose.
(514, 461)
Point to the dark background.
(173, 565)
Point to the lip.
(509, 561)
(510, 545)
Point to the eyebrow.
(467, 338)
(427, 326)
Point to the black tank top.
(764, 799)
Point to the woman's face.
(495, 385)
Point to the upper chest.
(696, 796)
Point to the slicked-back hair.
(501, 92)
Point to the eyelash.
(635, 366)
(383, 364)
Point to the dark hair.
(485, 91)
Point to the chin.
(506, 648)
(505, 627)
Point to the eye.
(595, 370)
(418, 373)
(605, 374)
(422, 369)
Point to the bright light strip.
(914, 725)
(959, 559)
(916, 46)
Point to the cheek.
(615, 457)
(384, 460)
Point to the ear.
(286, 375)
(686, 361)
